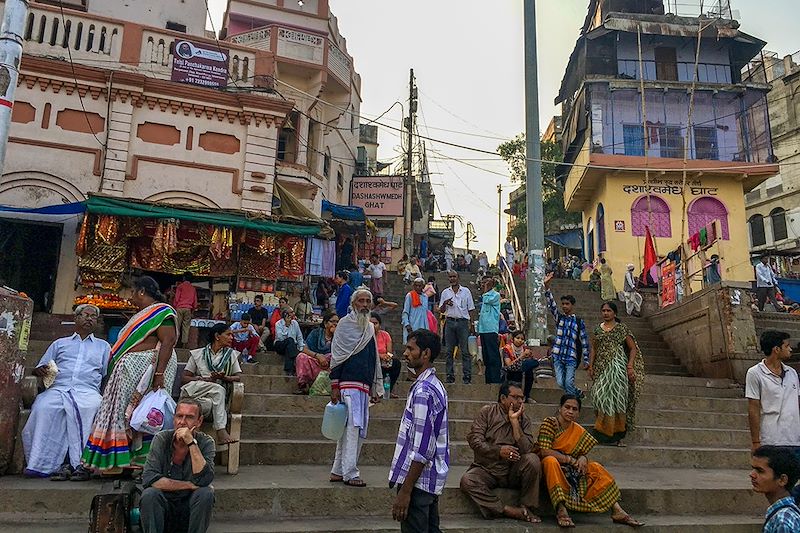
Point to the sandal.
(627, 520)
(80, 474)
(335, 479)
(62, 474)
(355, 482)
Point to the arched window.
(590, 240)
(758, 236)
(704, 211)
(601, 229)
(779, 231)
(653, 213)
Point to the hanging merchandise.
(221, 242)
(320, 257)
(107, 229)
(254, 265)
(102, 265)
(266, 245)
(80, 246)
(293, 253)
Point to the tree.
(555, 215)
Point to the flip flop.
(355, 482)
(339, 480)
(627, 520)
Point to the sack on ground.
(321, 385)
(154, 413)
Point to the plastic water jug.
(334, 420)
(387, 387)
(472, 342)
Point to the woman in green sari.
(617, 368)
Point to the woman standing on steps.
(617, 368)
(607, 289)
(147, 340)
(573, 482)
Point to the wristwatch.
(193, 443)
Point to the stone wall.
(712, 332)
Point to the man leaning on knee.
(506, 456)
(177, 477)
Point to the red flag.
(650, 257)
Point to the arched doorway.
(601, 229)
(590, 240)
(706, 210)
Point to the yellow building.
(634, 163)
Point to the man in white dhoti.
(208, 376)
(633, 300)
(355, 377)
(61, 417)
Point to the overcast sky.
(468, 60)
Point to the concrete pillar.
(259, 166)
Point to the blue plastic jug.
(334, 421)
(472, 343)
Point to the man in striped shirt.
(421, 457)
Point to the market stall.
(231, 256)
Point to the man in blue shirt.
(488, 328)
(343, 293)
(775, 471)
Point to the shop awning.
(104, 205)
(343, 212)
(73, 208)
(572, 240)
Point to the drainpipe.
(13, 25)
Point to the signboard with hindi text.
(200, 64)
(378, 195)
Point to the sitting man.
(505, 456)
(178, 474)
(54, 436)
(260, 318)
(245, 338)
(207, 376)
(288, 339)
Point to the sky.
(468, 59)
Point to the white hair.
(358, 291)
(80, 309)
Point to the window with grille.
(633, 137)
(779, 229)
(705, 143)
(671, 141)
(705, 210)
(757, 234)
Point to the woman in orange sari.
(573, 482)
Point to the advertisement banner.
(668, 289)
(378, 195)
(205, 65)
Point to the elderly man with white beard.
(355, 377)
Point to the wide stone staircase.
(685, 469)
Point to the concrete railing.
(339, 63)
(84, 38)
(300, 45)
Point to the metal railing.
(517, 307)
(679, 71)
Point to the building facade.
(773, 208)
(649, 144)
(97, 112)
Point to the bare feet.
(563, 518)
(223, 437)
(521, 513)
(620, 516)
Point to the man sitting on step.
(61, 416)
(177, 477)
(505, 456)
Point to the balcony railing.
(726, 126)
(49, 33)
(339, 63)
(684, 72)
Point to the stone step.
(270, 404)
(303, 491)
(295, 426)
(456, 524)
(379, 452)
(654, 395)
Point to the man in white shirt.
(766, 284)
(288, 339)
(376, 269)
(773, 393)
(458, 307)
(61, 417)
(509, 248)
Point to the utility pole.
(536, 312)
(14, 15)
(408, 233)
(499, 219)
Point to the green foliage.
(513, 152)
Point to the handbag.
(154, 413)
(321, 385)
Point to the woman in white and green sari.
(617, 368)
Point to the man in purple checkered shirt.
(421, 457)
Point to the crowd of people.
(354, 360)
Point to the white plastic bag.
(154, 413)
